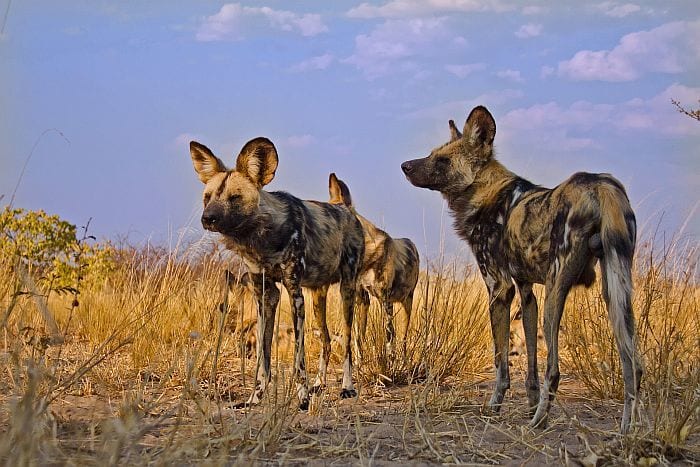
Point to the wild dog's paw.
(539, 421)
(254, 399)
(348, 394)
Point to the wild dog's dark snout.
(407, 167)
(211, 218)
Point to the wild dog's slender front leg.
(267, 296)
(320, 295)
(293, 285)
(363, 309)
(567, 267)
(501, 295)
(528, 306)
(347, 290)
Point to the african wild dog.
(522, 233)
(389, 270)
(281, 239)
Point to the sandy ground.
(156, 420)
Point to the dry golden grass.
(146, 367)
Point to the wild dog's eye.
(207, 197)
(233, 198)
(442, 161)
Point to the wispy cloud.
(391, 45)
(459, 109)
(319, 62)
(462, 71)
(182, 141)
(534, 10)
(513, 75)
(668, 48)
(233, 20)
(299, 141)
(413, 8)
(617, 10)
(528, 30)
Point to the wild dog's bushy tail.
(618, 231)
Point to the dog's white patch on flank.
(499, 219)
(566, 235)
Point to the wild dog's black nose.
(209, 219)
(407, 167)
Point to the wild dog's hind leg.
(293, 285)
(320, 295)
(267, 296)
(349, 269)
(407, 305)
(347, 291)
(528, 306)
(568, 264)
(363, 308)
(501, 295)
(388, 308)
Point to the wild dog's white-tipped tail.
(618, 236)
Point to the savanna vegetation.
(133, 355)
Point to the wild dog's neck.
(489, 181)
(483, 202)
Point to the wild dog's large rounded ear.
(454, 132)
(258, 161)
(480, 127)
(206, 164)
(339, 191)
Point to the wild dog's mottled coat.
(281, 239)
(389, 271)
(522, 234)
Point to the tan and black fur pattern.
(281, 239)
(389, 271)
(521, 234)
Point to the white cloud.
(529, 30)
(462, 71)
(513, 75)
(617, 10)
(320, 62)
(391, 45)
(546, 71)
(652, 115)
(669, 48)
(412, 8)
(233, 20)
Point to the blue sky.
(350, 87)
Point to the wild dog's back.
(334, 237)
